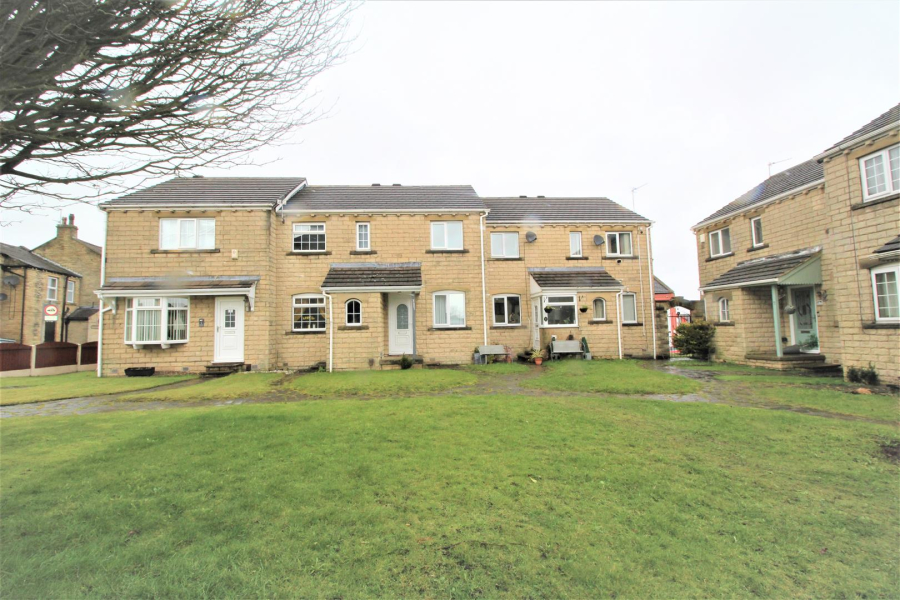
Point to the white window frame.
(505, 298)
(295, 233)
(575, 247)
(756, 243)
(347, 313)
(890, 186)
(724, 310)
(434, 312)
(363, 229)
(503, 236)
(53, 289)
(602, 302)
(718, 234)
(295, 304)
(163, 309)
(890, 268)
(633, 296)
(617, 235)
(180, 245)
(436, 225)
(545, 301)
(70, 291)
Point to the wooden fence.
(14, 357)
(49, 355)
(89, 353)
(55, 354)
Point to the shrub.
(406, 362)
(863, 375)
(694, 339)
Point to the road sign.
(51, 310)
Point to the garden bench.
(565, 347)
(496, 350)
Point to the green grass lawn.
(718, 366)
(875, 406)
(500, 368)
(449, 497)
(19, 390)
(382, 383)
(609, 376)
(237, 385)
(786, 379)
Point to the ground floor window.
(629, 308)
(560, 311)
(507, 310)
(354, 312)
(724, 314)
(599, 309)
(309, 312)
(156, 320)
(449, 309)
(885, 291)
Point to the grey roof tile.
(566, 210)
(573, 277)
(762, 269)
(779, 183)
(373, 275)
(661, 288)
(361, 198)
(21, 256)
(115, 284)
(892, 116)
(891, 246)
(212, 190)
(82, 313)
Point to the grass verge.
(382, 383)
(237, 385)
(449, 497)
(786, 379)
(609, 376)
(21, 390)
(499, 369)
(872, 406)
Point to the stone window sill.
(505, 327)
(449, 329)
(874, 202)
(755, 248)
(501, 258)
(720, 257)
(314, 253)
(358, 252)
(881, 326)
(353, 328)
(632, 324)
(614, 257)
(576, 258)
(599, 322)
(446, 251)
(314, 332)
(187, 251)
(723, 323)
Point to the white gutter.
(383, 289)
(738, 285)
(380, 211)
(102, 281)
(289, 195)
(567, 222)
(855, 141)
(766, 202)
(619, 320)
(652, 292)
(330, 332)
(181, 207)
(483, 287)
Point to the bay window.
(187, 234)
(618, 244)
(309, 237)
(446, 235)
(507, 310)
(720, 242)
(309, 312)
(559, 311)
(156, 321)
(505, 245)
(880, 173)
(885, 282)
(449, 309)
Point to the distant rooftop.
(193, 191)
(891, 117)
(392, 198)
(21, 256)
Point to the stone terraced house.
(274, 273)
(803, 269)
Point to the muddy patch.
(890, 450)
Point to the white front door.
(229, 330)
(535, 324)
(400, 324)
(804, 328)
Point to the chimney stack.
(67, 228)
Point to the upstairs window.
(446, 235)
(309, 237)
(724, 313)
(618, 244)
(52, 288)
(756, 232)
(720, 242)
(880, 173)
(599, 309)
(505, 245)
(156, 320)
(353, 310)
(363, 243)
(309, 312)
(70, 292)
(449, 309)
(187, 234)
(885, 291)
(629, 308)
(575, 244)
(507, 310)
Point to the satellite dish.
(530, 236)
(3, 296)
(598, 240)
(11, 280)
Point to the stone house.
(802, 270)
(273, 273)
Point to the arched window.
(599, 309)
(353, 309)
(724, 314)
(402, 316)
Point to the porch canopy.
(214, 285)
(574, 278)
(373, 277)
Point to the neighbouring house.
(273, 273)
(675, 313)
(803, 269)
(35, 294)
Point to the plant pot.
(548, 309)
(583, 309)
(140, 371)
(538, 361)
(588, 356)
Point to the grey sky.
(692, 99)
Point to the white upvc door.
(400, 324)
(804, 327)
(229, 330)
(536, 323)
